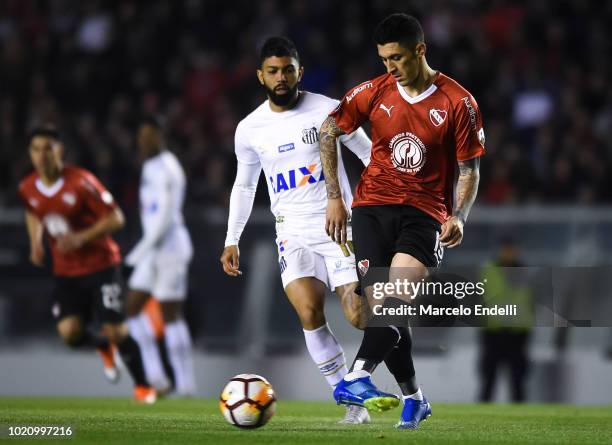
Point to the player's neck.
(426, 77)
(51, 178)
(280, 108)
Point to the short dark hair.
(279, 47)
(46, 130)
(401, 28)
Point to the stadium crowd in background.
(96, 67)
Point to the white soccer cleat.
(109, 360)
(112, 375)
(355, 415)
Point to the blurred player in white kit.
(161, 262)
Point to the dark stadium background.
(539, 70)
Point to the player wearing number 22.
(77, 214)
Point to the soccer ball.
(248, 401)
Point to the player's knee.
(171, 311)
(311, 317)
(115, 333)
(71, 332)
(135, 302)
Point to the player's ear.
(420, 49)
(260, 76)
(300, 73)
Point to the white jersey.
(286, 145)
(162, 194)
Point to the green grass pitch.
(121, 421)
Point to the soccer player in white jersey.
(280, 136)
(161, 261)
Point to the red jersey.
(76, 201)
(416, 141)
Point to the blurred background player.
(161, 263)
(78, 215)
(423, 125)
(154, 319)
(281, 136)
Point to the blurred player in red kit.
(409, 203)
(78, 214)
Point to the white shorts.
(164, 277)
(307, 251)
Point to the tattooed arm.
(467, 188)
(329, 156)
(337, 215)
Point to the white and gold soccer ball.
(248, 401)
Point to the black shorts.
(98, 295)
(379, 232)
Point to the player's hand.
(37, 256)
(229, 260)
(336, 220)
(69, 242)
(452, 232)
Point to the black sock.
(376, 344)
(163, 353)
(399, 362)
(130, 354)
(379, 338)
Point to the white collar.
(413, 100)
(49, 190)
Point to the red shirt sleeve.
(23, 194)
(354, 109)
(97, 198)
(469, 133)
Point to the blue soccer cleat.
(414, 412)
(357, 389)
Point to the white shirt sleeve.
(359, 143)
(157, 219)
(243, 191)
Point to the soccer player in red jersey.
(424, 125)
(78, 214)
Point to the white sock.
(327, 353)
(178, 343)
(142, 331)
(416, 396)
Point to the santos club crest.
(407, 152)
